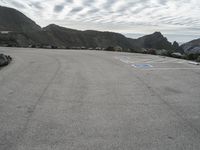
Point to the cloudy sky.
(177, 19)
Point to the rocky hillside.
(192, 46)
(155, 40)
(13, 20)
(68, 37)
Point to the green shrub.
(192, 56)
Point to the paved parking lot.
(95, 100)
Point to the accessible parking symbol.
(142, 66)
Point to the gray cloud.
(58, 8)
(69, 1)
(17, 4)
(92, 11)
(77, 9)
(141, 16)
(163, 2)
(88, 2)
(37, 5)
(108, 5)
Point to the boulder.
(177, 55)
(4, 60)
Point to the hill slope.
(70, 37)
(192, 46)
(155, 40)
(27, 32)
(13, 20)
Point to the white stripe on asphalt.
(172, 69)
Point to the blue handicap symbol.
(143, 66)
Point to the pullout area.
(57, 99)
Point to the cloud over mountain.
(125, 16)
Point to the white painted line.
(144, 63)
(121, 57)
(156, 60)
(160, 61)
(172, 69)
(193, 63)
(147, 60)
(137, 61)
(170, 61)
(125, 61)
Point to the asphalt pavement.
(95, 100)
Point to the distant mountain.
(192, 46)
(155, 40)
(27, 32)
(13, 20)
(69, 37)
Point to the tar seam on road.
(20, 136)
(184, 120)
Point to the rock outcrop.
(155, 41)
(192, 47)
(4, 60)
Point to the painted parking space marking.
(157, 63)
(172, 69)
(127, 60)
(156, 60)
(142, 66)
(159, 60)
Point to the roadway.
(95, 100)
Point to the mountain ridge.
(26, 32)
(13, 20)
